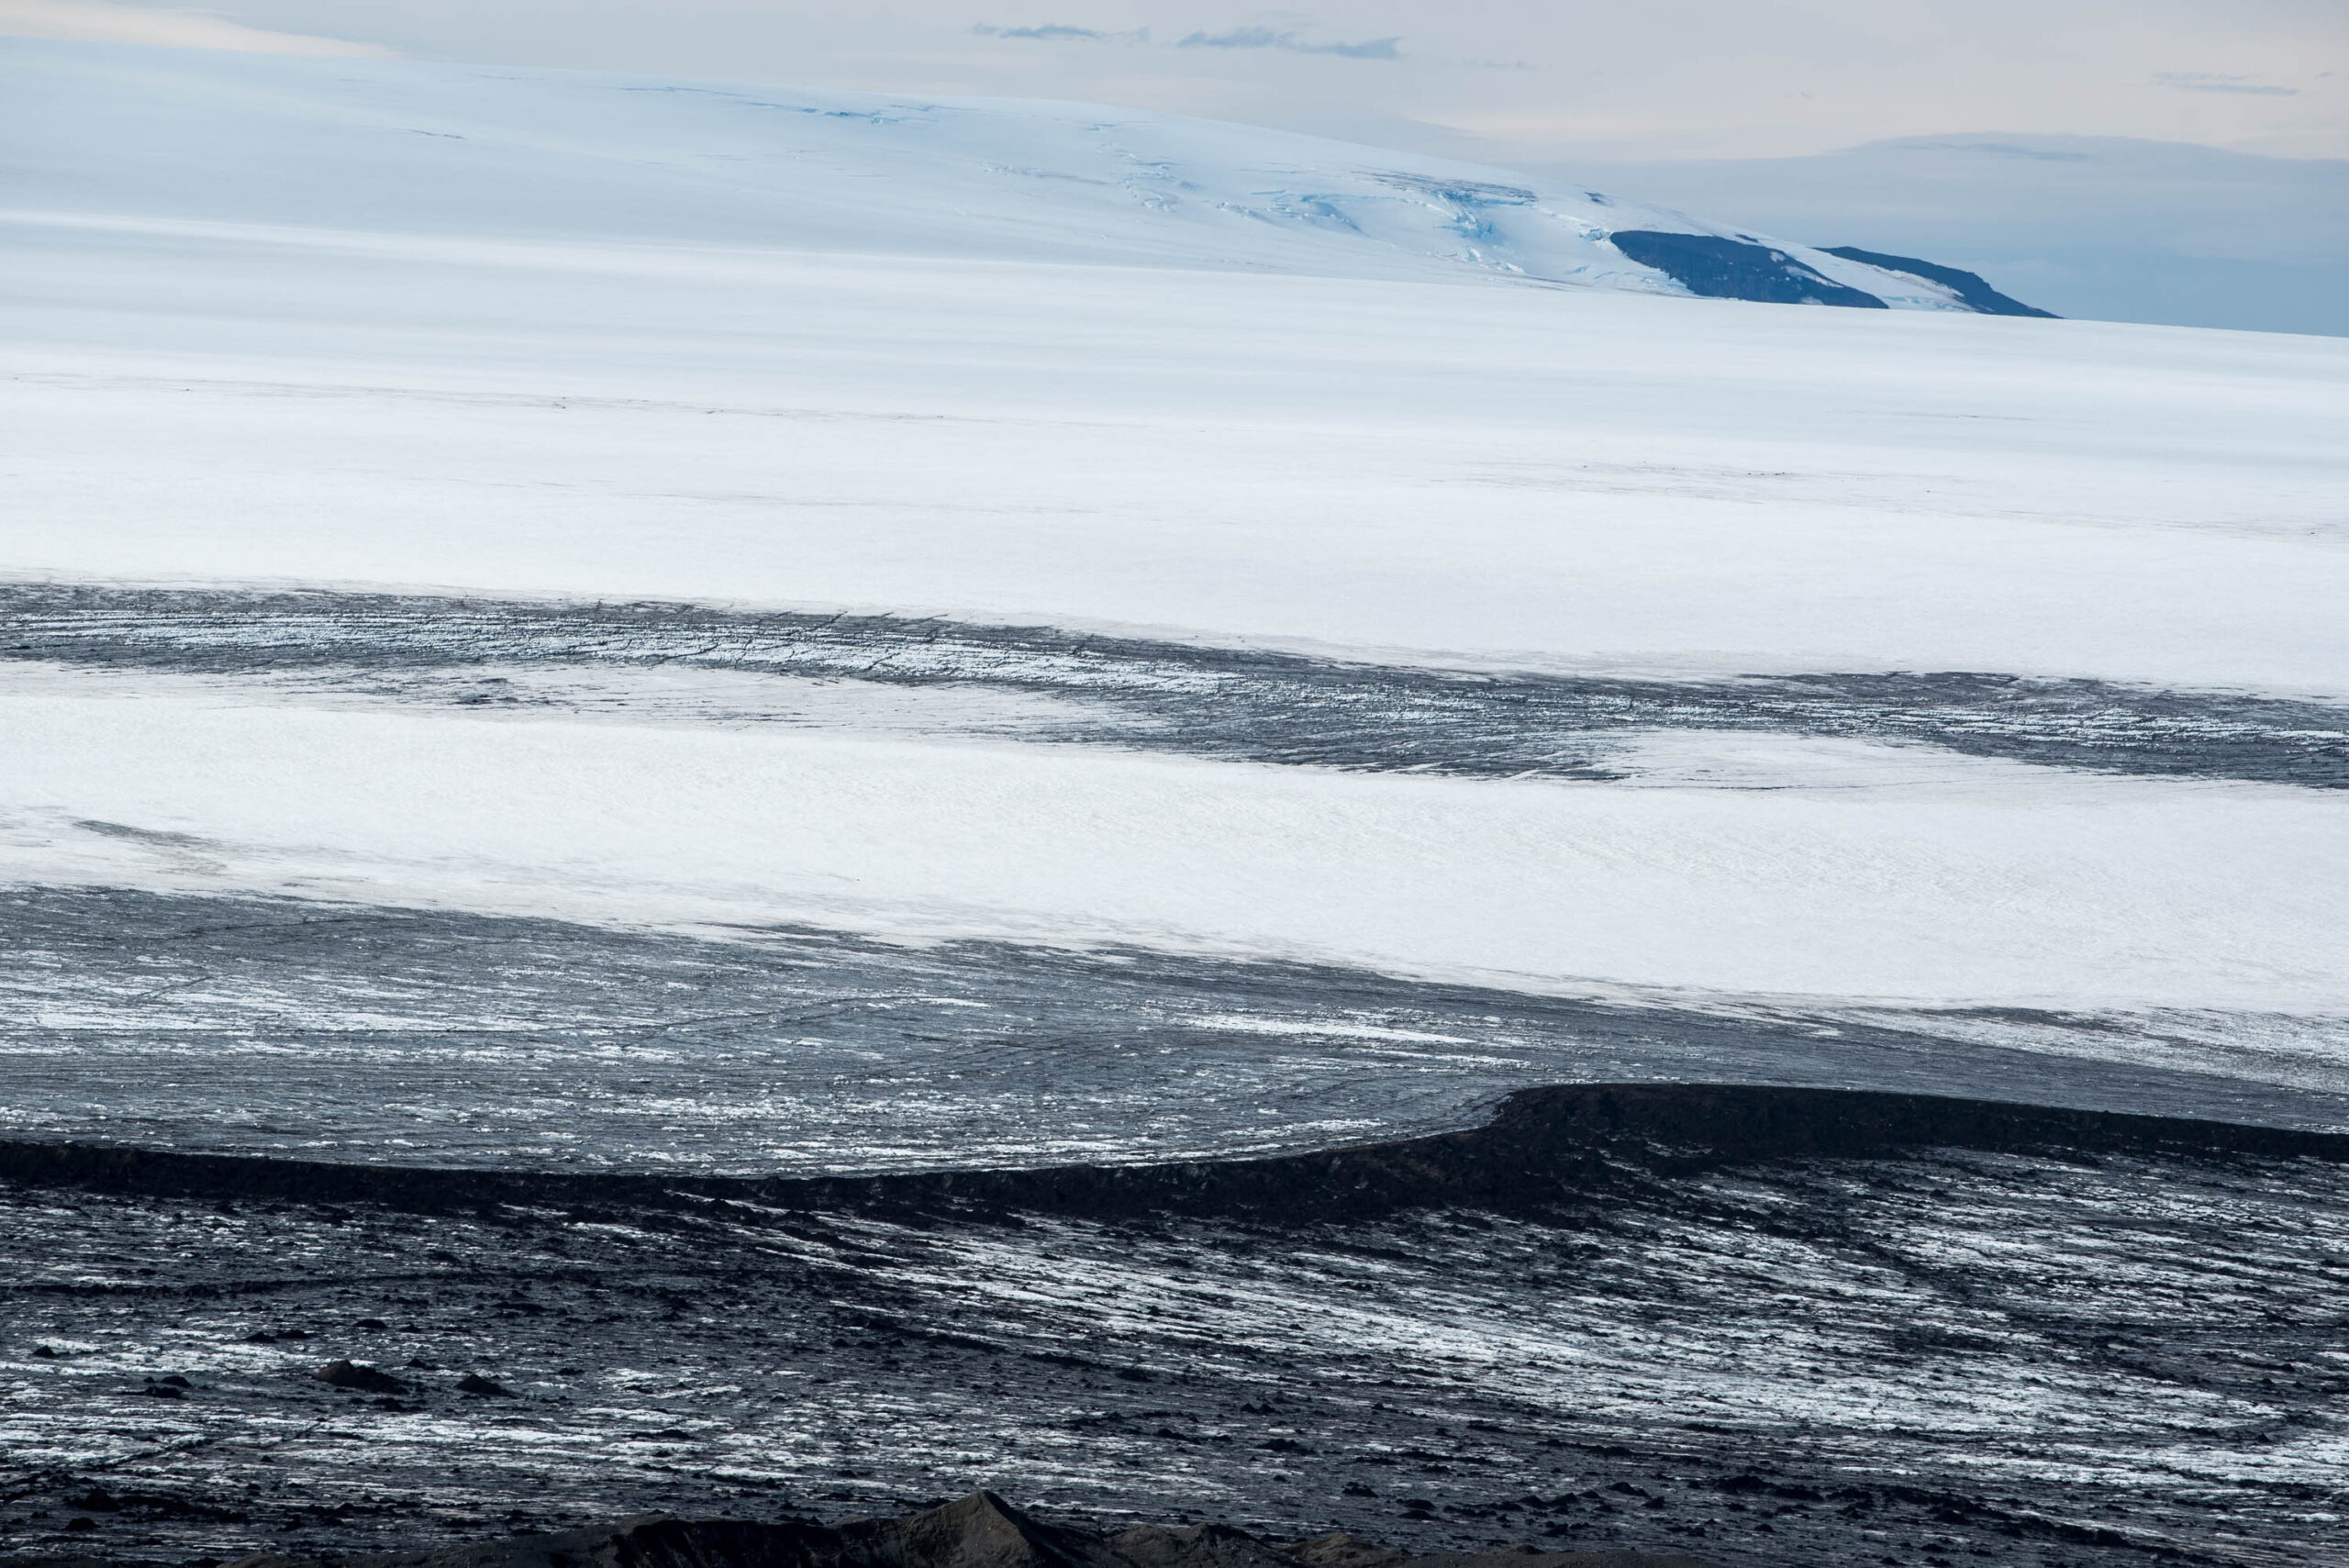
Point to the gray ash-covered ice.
(431, 1038)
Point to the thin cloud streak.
(2209, 81)
(1264, 38)
(1061, 32)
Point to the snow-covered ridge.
(104, 132)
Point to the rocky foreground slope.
(1769, 1327)
(981, 1531)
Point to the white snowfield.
(1979, 880)
(537, 335)
(468, 151)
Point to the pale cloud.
(99, 21)
(2211, 82)
(1061, 32)
(1289, 41)
(1265, 37)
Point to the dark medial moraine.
(1230, 704)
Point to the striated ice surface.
(429, 1038)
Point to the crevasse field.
(557, 629)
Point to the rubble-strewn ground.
(981, 1531)
(2110, 1352)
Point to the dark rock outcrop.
(1970, 287)
(359, 1377)
(1718, 268)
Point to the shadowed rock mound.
(1543, 1146)
(981, 1531)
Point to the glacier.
(620, 698)
(1179, 396)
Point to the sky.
(1504, 81)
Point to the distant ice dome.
(184, 135)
